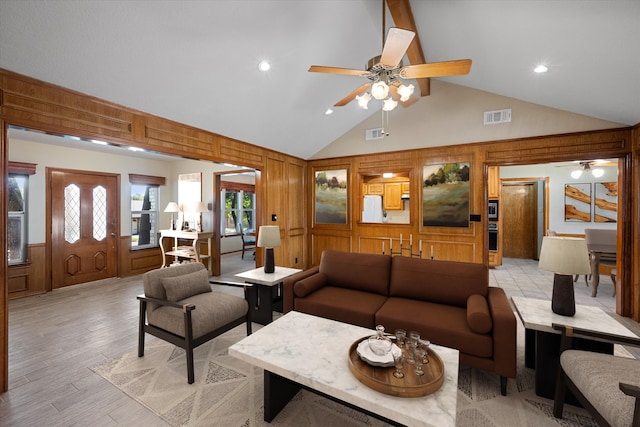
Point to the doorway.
(523, 216)
(84, 226)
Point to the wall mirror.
(385, 198)
(189, 194)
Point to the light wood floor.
(54, 341)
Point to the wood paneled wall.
(38, 105)
(471, 244)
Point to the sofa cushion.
(364, 272)
(304, 287)
(441, 324)
(186, 285)
(213, 310)
(341, 304)
(445, 282)
(478, 315)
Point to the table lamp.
(173, 208)
(199, 208)
(565, 256)
(269, 237)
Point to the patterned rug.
(228, 392)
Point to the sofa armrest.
(504, 332)
(287, 291)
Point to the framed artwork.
(605, 206)
(577, 202)
(445, 195)
(331, 196)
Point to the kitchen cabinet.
(392, 198)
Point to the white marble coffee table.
(299, 350)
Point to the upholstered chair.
(179, 306)
(607, 386)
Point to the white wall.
(453, 114)
(44, 155)
(559, 175)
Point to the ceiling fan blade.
(436, 69)
(396, 45)
(347, 99)
(337, 70)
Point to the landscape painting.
(445, 195)
(577, 202)
(331, 197)
(606, 202)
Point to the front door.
(519, 217)
(84, 226)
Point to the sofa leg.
(503, 385)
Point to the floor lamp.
(566, 257)
(269, 237)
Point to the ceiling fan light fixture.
(597, 172)
(405, 92)
(389, 104)
(363, 100)
(576, 174)
(379, 90)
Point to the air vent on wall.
(498, 116)
(374, 134)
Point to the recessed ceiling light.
(264, 65)
(328, 112)
(541, 69)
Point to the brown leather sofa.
(449, 303)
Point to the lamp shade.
(564, 255)
(201, 207)
(172, 207)
(268, 236)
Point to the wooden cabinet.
(191, 251)
(405, 188)
(392, 198)
(493, 182)
(376, 189)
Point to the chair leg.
(503, 385)
(188, 333)
(143, 312)
(559, 396)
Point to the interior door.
(519, 216)
(84, 224)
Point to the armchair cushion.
(598, 376)
(178, 288)
(213, 310)
(478, 315)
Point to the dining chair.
(248, 241)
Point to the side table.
(542, 341)
(268, 295)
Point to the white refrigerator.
(372, 211)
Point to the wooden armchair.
(607, 386)
(179, 307)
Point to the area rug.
(228, 392)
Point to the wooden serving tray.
(381, 378)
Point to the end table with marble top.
(542, 341)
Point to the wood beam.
(403, 18)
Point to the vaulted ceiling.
(196, 61)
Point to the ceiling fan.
(585, 167)
(387, 74)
